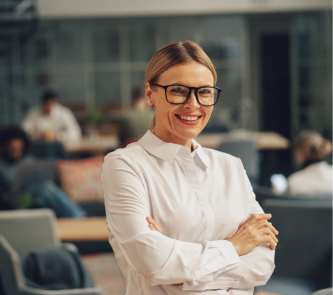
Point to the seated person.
(14, 147)
(136, 121)
(51, 121)
(315, 176)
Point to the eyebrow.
(175, 84)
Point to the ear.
(149, 95)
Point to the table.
(265, 140)
(82, 229)
(97, 146)
(267, 293)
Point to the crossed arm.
(242, 262)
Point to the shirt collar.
(167, 151)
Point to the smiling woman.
(182, 217)
(181, 117)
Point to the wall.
(119, 8)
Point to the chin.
(190, 134)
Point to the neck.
(309, 162)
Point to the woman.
(216, 239)
(315, 176)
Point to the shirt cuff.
(227, 250)
(228, 259)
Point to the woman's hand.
(153, 226)
(254, 231)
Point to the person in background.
(315, 176)
(136, 121)
(38, 193)
(51, 121)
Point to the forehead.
(190, 74)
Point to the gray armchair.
(304, 252)
(23, 231)
(246, 150)
(328, 291)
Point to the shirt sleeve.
(159, 258)
(254, 269)
(72, 129)
(29, 122)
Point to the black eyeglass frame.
(189, 93)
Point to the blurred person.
(184, 219)
(137, 119)
(51, 121)
(315, 176)
(14, 148)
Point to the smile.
(188, 119)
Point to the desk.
(82, 229)
(97, 146)
(265, 140)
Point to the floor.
(105, 272)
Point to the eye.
(205, 91)
(177, 90)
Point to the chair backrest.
(28, 230)
(246, 150)
(10, 271)
(263, 193)
(305, 238)
(328, 291)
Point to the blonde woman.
(182, 217)
(315, 176)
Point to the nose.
(192, 101)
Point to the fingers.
(255, 218)
(152, 224)
(268, 239)
(268, 232)
(264, 223)
(258, 221)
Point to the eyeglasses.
(179, 94)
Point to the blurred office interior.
(273, 60)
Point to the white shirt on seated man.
(51, 121)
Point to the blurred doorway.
(275, 83)
(270, 52)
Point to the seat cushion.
(81, 179)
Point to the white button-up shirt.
(198, 199)
(61, 121)
(315, 179)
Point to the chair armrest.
(71, 247)
(35, 291)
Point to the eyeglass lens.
(178, 94)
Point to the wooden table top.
(82, 229)
(265, 140)
(267, 293)
(99, 145)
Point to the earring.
(149, 101)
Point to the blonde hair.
(175, 54)
(313, 145)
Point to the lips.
(189, 119)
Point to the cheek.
(208, 113)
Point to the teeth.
(189, 118)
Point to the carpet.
(105, 272)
